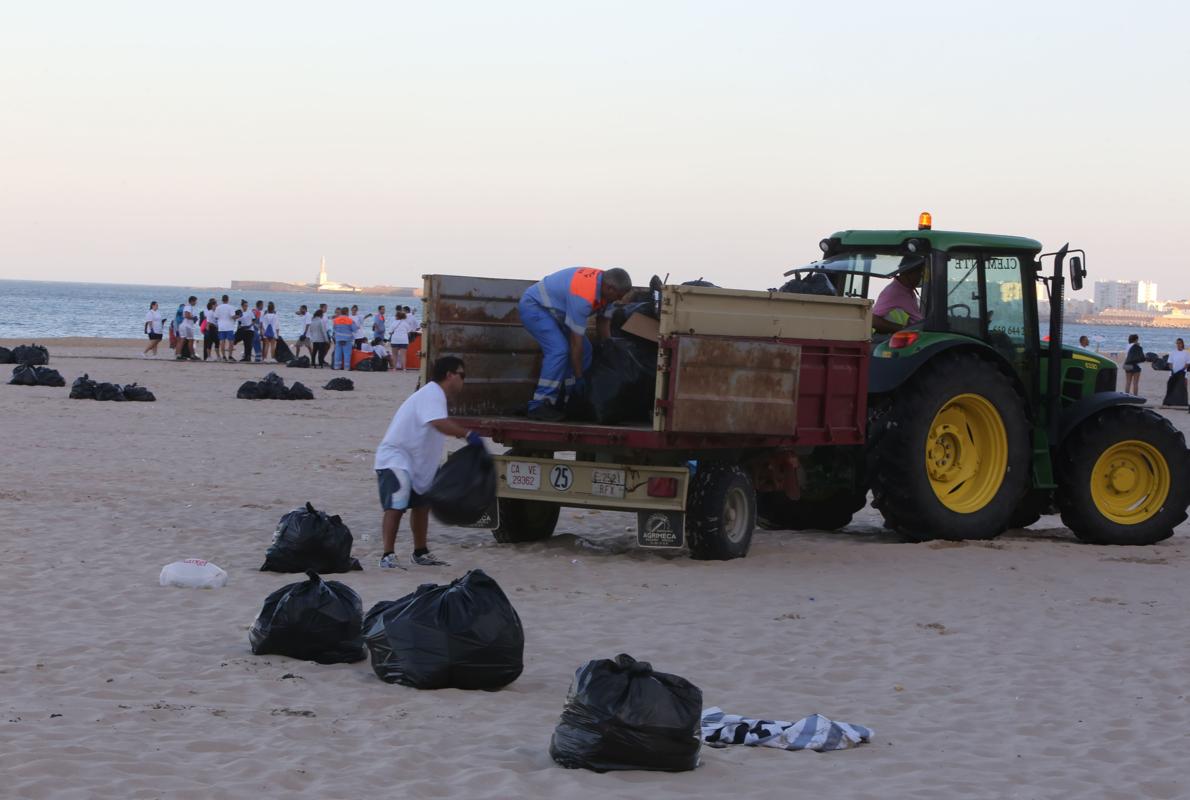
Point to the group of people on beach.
(257, 329)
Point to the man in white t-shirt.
(303, 337)
(225, 318)
(408, 458)
(185, 349)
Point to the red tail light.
(663, 487)
(902, 339)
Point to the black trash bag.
(700, 282)
(340, 385)
(48, 377)
(619, 385)
(249, 390)
(379, 364)
(1175, 389)
(1161, 364)
(622, 715)
(464, 487)
(109, 391)
(299, 391)
(82, 389)
(272, 387)
(464, 635)
(23, 375)
(282, 352)
(301, 362)
(139, 394)
(5, 355)
(30, 355)
(814, 283)
(1151, 357)
(363, 366)
(308, 539)
(314, 620)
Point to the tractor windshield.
(878, 265)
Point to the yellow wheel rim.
(966, 453)
(1130, 482)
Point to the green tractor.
(973, 426)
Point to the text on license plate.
(523, 475)
(607, 483)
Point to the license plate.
(607, 483)
(524, 475)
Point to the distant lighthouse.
(322, 272)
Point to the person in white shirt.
(360, 337)
(303, 339)
(270, 329)
(399, 340)
(1179, 358)
(1175, 387)
(408, 457)
(152, 330)
(184, 350)
(225, 319)
(244, 329)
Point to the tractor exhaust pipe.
(1054, 375)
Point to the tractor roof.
(939, 240)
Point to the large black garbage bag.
(310, 539)
(48, 377)
(299, 391)
(23, 375)
(249, 390)
(619, 385)
(814, 283)
(301, 362)
(5, 355)
(82, 389)
(272, 387)
(31, 355)
(363, 366)
(379, 364)
(282, 353)
(621, 313)
(340, 385)
(1175, 389)
(109, 391)
(1161, 364)
(139, 394)
(465, 635)
(620, 714)
(314, 620)
(464, 487)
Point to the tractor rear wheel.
(949, 453)
(720, 513)
(1124, 478)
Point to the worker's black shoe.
(545, 413)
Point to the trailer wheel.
(775, 511)
(525, 520)
(950, 452)
(720, 513)
(1124, 478)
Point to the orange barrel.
(358, 356)
(412, 357)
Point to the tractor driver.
(897, 306)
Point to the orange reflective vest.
(585, 284)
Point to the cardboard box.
(642, 325)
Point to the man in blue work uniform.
(554, 311)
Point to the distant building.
(325, 285)
(1125, 295)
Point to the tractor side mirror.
(1077, 273)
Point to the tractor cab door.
(990, 297)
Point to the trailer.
(751, 388)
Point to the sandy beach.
(1032, 666)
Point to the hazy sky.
(156, 143)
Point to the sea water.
(36, 310)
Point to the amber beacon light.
(925, 221)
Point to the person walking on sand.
(225, 319)
(152, 330)
(270, 327)
(408, 457)
(1132, 362)
(399, 341)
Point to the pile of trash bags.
(464, 635)
(620, 714)
(25, 375)
(31, 355)
(309, 539)
(620, 384)
(814, 283)
(314, 620)
(86, 389)
(301, 362)
(464, 487)
(340, 385)
(273, 387)
(373, 364)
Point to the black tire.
(720, 513)
(525, 520)
(979, 504)
(776, 512)
(1094, 516)
(1035, 503)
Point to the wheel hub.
(966, 453)
(1130, 482)
(1122, 478)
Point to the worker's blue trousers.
(341, 359)
(555, 349)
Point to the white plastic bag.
(193, 573)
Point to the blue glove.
(580, 387)
(474, 438)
